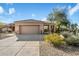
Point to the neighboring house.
(31, 26)
(7, 28)
(11, 26)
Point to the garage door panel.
(29, 29)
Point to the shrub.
(56, 39)
(66, 34)
(72, 40)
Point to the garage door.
(29, 29)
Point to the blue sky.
(10, 12)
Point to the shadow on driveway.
(29, 37)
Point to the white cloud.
(33, 15)
(44, 19)
(74, 9)
(1, 10)
(11, 11)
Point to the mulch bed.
(47, 49)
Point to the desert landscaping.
(57, 36)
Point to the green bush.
(56, 39)
(66, 34)
(71, 38)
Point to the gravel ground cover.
(47, 49)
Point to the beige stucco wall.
(18, 24)
(17, 29)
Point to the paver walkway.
(11, 47)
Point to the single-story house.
(6, 28)
(11, 26)
(31, 26)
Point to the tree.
(74, 28)
(59, 18)
(51, 19)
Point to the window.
(46, 28)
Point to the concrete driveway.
(37, 37)
(11, 47)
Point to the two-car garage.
(29, 29)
